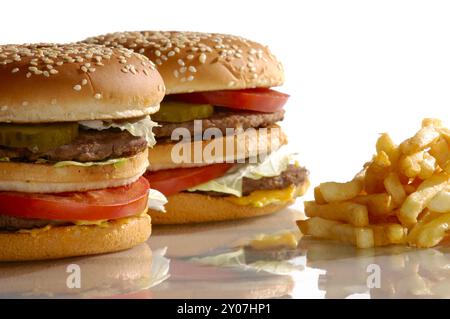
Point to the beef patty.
(11, 223)
(223, 119)
(90, 145)
(293, 175)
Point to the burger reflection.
(391, 272)
(126, 274)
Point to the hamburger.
(74, 137)
(219, 154)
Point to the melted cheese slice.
(266, 197)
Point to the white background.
(354, 68)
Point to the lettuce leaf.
(156, 200)
(236, 259)
(142, 127)
(231, 183)
(4, 159)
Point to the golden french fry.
(445, 132)
(430, 233)
(335, 192)
(382, 159)
(410, 164)
(377, 204)
(387, 234)
(347, 212)
(441, 202)
(431, 122)
(423, 139)
(361, 237)
(441, 152)
(427, 166)
(328, 229)
(386, 145)
(416, 202)
(318, 197)
(395, 188)
(374, 178)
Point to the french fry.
(386, 145)
(318, 197)
(423, 139)
(347, 212)
(395, 188)
(431, 233)
(335, 192)
(410, 164)
(441, 152)
(416, 202)
(374, 178)
(431, 122)
(427, 166)
(329, 229)
(377, 204)
(361, 237)
(387, 234)
(382, 159)
(441, 202)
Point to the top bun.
(75, 82)
(194, 62)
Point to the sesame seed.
(46, 74)
(180, 62)
(84, 68)
(171, 53)
(183, 69)
(53, 71)
(84, 82)
(192, 69)
(28, 75)
(176, 73)
(98, 96)
(77, 87)
(202, 58)
(190, 78)
(158, 53)
(15, 70)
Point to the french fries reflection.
(404, 272)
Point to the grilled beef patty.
(90, 145)
(223, 119)
(293, 175)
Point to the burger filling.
(84, 143)
(87, 141)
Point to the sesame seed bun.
(185, 207)
(194, 61)
(58, 83)
(249, 142)
(69, 241)
(47, 178)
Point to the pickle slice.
(37, 137)
(177, 112)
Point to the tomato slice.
(172, 181)
(260, 99)
(109, 203)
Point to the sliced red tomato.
(109, 203)
(172, 181)
(260, 100)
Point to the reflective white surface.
(169, 267)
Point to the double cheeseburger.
(219, 153)
(74, 138)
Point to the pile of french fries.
(402, 196)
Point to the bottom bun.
(70, 241)
(184, 208)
